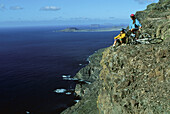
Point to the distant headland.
(94, 28)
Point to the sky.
(68, 12)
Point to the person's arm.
(117, 36)
(122, 36)
(138, 23)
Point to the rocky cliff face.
(156, 19)
(130, 79)
(88, 92)
(136, 80)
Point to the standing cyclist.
(134, 25)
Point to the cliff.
(156, 19)
(130, 79)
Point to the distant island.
(74, 29)
(71, 29)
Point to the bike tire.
(143, 41)
(144, 35)
(156, 41)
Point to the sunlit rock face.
(135, 79)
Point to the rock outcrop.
(136, 80)
(88, 92)
(131, 79)
(156, 19)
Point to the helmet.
(123, 30)
(132, 15)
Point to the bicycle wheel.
(143, 41)
(144, 35)
(156, 41)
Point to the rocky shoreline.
(129, 79)
(89, 73)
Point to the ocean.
(33, 61)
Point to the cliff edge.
(131, 79)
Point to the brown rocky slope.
(131, 79)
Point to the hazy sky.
(61, 12)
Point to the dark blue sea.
(33, 61)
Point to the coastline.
(88, 73)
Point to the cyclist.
(134, 25)
(119, 37)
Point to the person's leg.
(120, 41)
(115, 40)
(137, 34)
(135, 31)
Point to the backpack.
(136, 26)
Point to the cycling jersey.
(120, 36)
(136, 25)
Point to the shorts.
(117, 39)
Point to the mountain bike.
(144, 38)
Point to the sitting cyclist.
(119, 37)
(134, 26)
